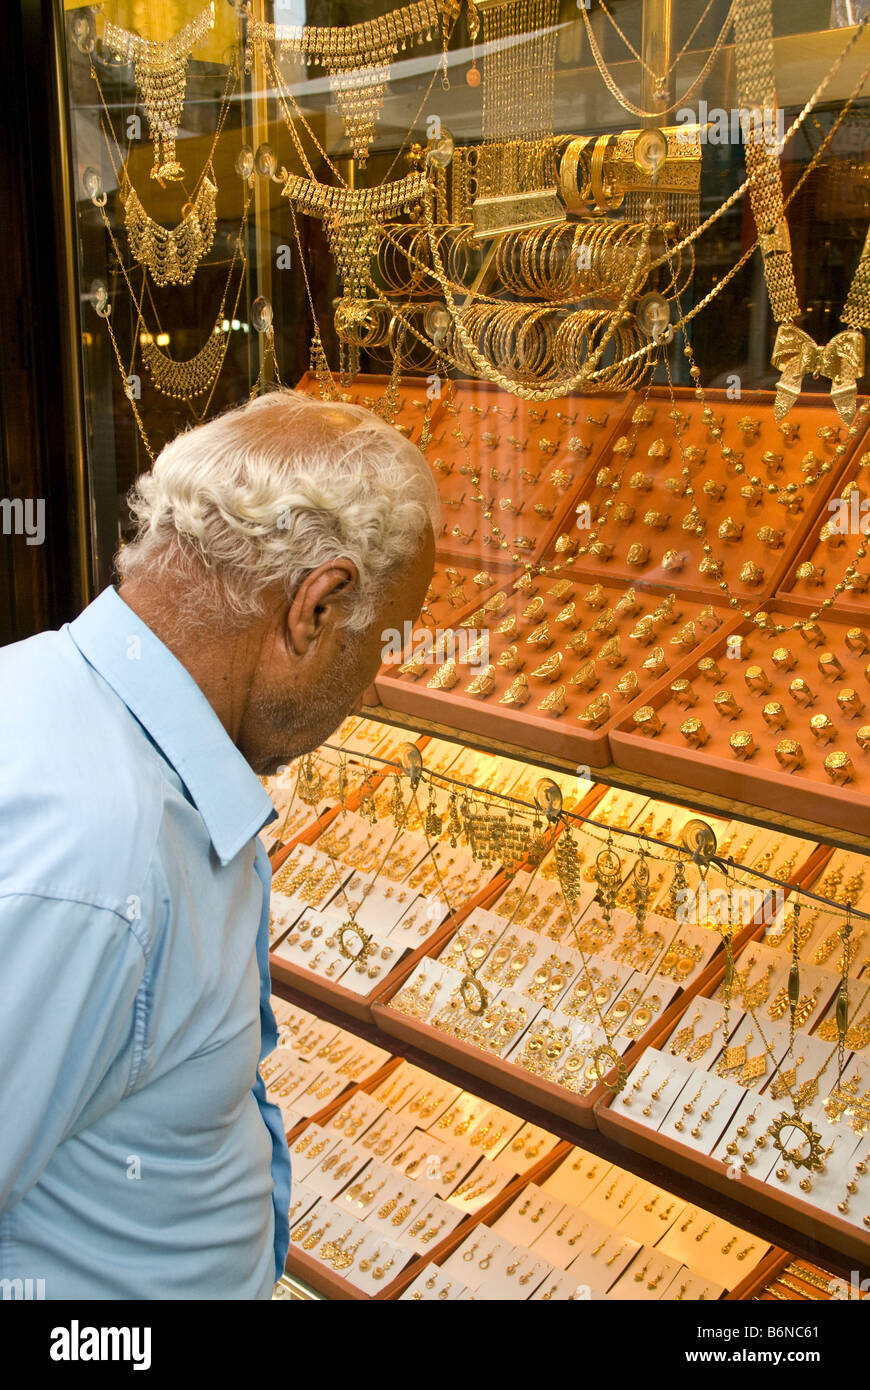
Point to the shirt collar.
(172, 709)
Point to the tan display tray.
(502, 464)
(310, 833)
(305, 982)
(834, 560)
(781, 1206)
(580, 1110)
(808, 412)
(760, 781)
(527, 726)
(440, 613)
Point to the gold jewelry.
(160, 71)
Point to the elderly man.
(139, 1157)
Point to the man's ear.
(318, 602)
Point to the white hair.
(270, 490)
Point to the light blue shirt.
(139, 1157)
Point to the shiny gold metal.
(510, 659)
(757, 680)
(710, 669)
(831, 666)
(808, 573)
(596, 713)
(656, 662)
(550, 669)
(857, 641)
(555, 702)
(694, 732)
(840, 768)
(517, 693)
(743, 744)
(585, 677)
(483, 683)
(771, 536)
(812, 634)
(850, 702)
(628, 686)
(789, 754)
(683, 693)
(800, 691)
(751, 574)
(647, 722)
(774, 715)
(823, 728)
(725, 704)
(783, 659)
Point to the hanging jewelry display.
(608, 872)
(359, 57)
(568, 866)
(351, 217)
(641, 889)
(186, 378)
(160, 70)
(517, 183)
(794, 352)
(794, 976)
(660, 80)
(171, 254)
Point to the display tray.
(314, 986)
(502, 1072)
(325, 1281)
(456, 585)
(760, 780)
(531, 459)
(757, 1277)
(601, 657)
(831, 556)
(782, 1206)
(639, 483)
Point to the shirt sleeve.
(281, 1177)
(69, 978)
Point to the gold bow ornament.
(842, 360)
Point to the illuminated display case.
(606, 266)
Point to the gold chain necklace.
(687, 241)
(185, 379)
(160, 69)
(358, 57)
(170, 254)
(660, 82)
(794, 352)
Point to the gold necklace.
(517, 166)
(794, 352)
(160, 69)
(359, 57)
(184, 379)
(660, 82)
(170, 254)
